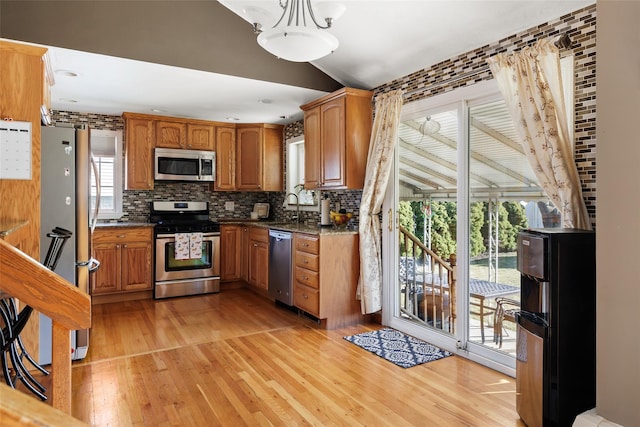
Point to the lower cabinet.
(326, 268)
(258, 251)
(326, 271)
(125, 255)
(230, 256)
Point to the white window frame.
(292, 165)
(118, 168)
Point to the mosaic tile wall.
(470, 68)
(462, 70)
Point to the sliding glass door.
(462, 190)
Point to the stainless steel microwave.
(184, 165)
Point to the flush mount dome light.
(292, 39)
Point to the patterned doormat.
(398, 348)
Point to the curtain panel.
(379, 162)
(531, 84)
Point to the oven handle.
(172, 235)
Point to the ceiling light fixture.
(292, 39)
(430, 127)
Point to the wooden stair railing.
(441, 280)
(69, 309)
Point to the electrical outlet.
(229, 206)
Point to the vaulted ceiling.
(200, 59)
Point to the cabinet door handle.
(121, 236)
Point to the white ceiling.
(379, 41)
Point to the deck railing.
(427, 284)
(69, 309)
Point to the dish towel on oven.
(195, 245)
(182, 245)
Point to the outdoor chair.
(505, 310)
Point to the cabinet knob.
(305, 296)
(305, 277)
(306, 261)
(306, 245)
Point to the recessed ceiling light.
(157, 110)
(233, 119)
(67, 73)
(265, 101)
(71, 101)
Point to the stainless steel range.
(187, 246)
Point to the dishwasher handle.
(280, 235)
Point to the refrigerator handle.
(93, 264)
(96, 208)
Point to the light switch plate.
(229, 206)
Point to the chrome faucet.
(286, 198)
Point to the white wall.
(618, 225)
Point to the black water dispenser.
(556, 329)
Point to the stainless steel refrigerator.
(65, 198)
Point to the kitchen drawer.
(305, 260)
(124, 234)
(307, 299)
(259, 234)
(307, 277)
(307, 243)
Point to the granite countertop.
(124, 224)
(289, 226)
(292, 226)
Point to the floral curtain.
(379, 161)
(531, 85)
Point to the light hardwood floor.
(235, 358)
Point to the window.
(295, 176)
(106, 149)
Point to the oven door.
(170, 268)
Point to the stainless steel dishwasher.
(280, 268)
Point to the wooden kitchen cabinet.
(244, 254)
(337, 130)
(325, 278)
(230, 242)
(201, 136)
(258, 166)
(258, 259)
(139, 143)
(125, 255)
(171, 134)
(185, 135)
(225, 158)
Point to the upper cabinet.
(250, 160)
(171, 134)
(185, 135)
(201, 136)
(337, 130)
(145, 132)
(139, 142)
(225, 158)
